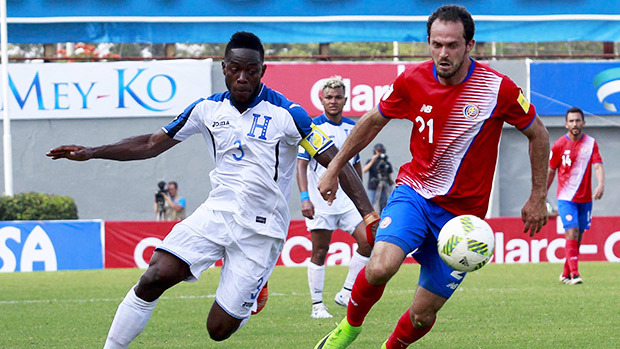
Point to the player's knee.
(422, 320)
(379, 273)
(319, 255)
(218, 332)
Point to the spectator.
(379, 177)
(168, 206)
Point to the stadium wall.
(27, 246)
(125, 191)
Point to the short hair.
(334, 82)
(453, 13)
(575, 110)
(379, 147)
(245, 40)
(175, 184)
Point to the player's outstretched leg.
(134, 312)
(343, 335)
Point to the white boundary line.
(296, 19)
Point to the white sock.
(316, 281)
(131, 317)
(357, 263)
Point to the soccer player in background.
(322, 219)
(457, 106)
(573, 155)
(253, 134)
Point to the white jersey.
(338, 133)
(254, 155)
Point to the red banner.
(366, 82)
(131, 244)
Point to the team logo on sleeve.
(314, 141)
(471, 111)
(523, 102)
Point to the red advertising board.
(366, 82)
(131, 244)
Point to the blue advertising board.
(593, 86)
(51, 245)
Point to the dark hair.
(575, 110)
(245, 40)
(379, 147)
(175, 184)
(453, 13)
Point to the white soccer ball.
(466, 243)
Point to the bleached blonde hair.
(334, 82)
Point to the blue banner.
(50, 245)
(292, 21)
(592, 86)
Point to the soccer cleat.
(319, 311)
(564, 279)
(340, 338)
(261, 300)
(342, 297)
(576, 279)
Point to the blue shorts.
(575, 214)
(412, 223)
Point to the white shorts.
(347, 221)
(248, 258)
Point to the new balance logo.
(452, 285)
(426, 108)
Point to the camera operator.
(167, 206)
(379, 177)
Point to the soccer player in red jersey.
(573, 155)
(457, 106)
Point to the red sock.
(405, 334)
(363, 297)
(566, 270)
(572, 256)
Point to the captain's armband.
(315, 141)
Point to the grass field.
(501, 306)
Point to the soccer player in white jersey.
(253, 133)
(322, 219)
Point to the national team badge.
(385, 222)
(471, 111)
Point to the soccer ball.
(466, 243)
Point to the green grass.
(500, 306)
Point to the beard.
(450, 73)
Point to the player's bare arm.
(600, 179)
(550, 176)
(132, 148)
(350, 180)
(362, 134)
(534, 212)
(307, 208)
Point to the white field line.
(117, 300)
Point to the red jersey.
(456, 131)
(573, 160)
